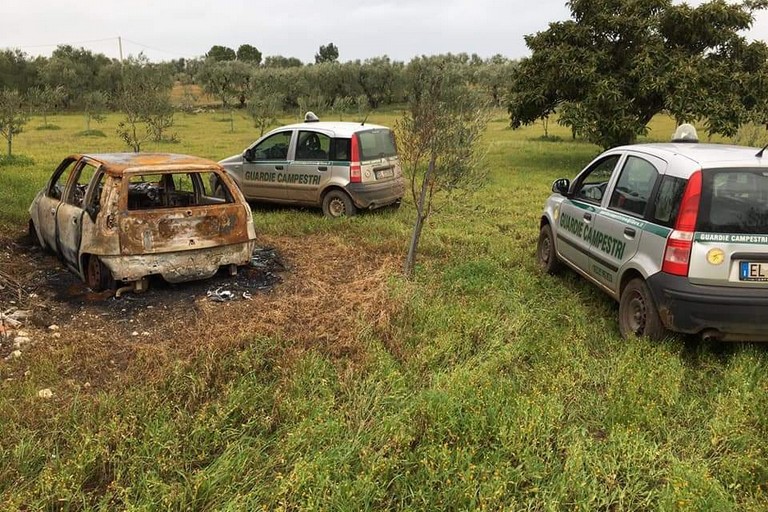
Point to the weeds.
(482, 384)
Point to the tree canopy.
(221, 53)
(327, 53)
(618, 63)
(249, 53)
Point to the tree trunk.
(10, 140)
(410, 260)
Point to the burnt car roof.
(119, 163)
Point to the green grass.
(493, 387)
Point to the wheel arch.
(330, 188)
(628, 275)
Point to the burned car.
(121, 217)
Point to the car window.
(61, 176)
(274, 147)
(313, 146)
(377, 143)
(667, 204)
(634, 187)
(83, 174)
(340, 149)
(172, 190)
(734, 201)
(94, 197)
(591, 184)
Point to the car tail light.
(677, 253)
(355, 174)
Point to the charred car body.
(122, 217)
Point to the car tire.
(638, 315)
(97, 275)
(338, 204)
(545, 251)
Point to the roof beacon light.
(685, 133)
(310, 117)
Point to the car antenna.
(365, 119)
(760, 153)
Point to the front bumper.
(721, 312)
(375, 195)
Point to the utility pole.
(120, 46)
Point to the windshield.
(379, 143)
(734, 201)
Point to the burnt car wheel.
(638, 315)
(338, 204)
(545, 251)
(97, 275)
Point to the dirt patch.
(312, 293)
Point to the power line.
(69, 43)
(116, 39)
(158, 49)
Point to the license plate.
(753, 271)
(386, 173)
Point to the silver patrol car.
(339, 166)
(677, 233)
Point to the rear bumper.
(179, 266)
(375, 195)
(719, 311)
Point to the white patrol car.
(677, 233)
(339, 166)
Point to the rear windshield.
(734, 201)
(375, 144)
(176, 190)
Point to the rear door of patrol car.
(309, 168)
(617, 230)
(730, 245)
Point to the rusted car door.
(71, 212)
(49, 202)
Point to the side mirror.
(248, 154)
(561, 186)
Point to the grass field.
(489, 386)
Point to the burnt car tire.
(545, 251)
(97, 275)
(338, 204)
(638, 315)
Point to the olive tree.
(13, 116)
(45, 100)
(264, 110)
(93, 104)
(439, 138)
(144, 99)
(616, 64)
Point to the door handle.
(279, 167)
(630, 232)
(322, 168)
(587, 216)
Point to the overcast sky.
(361, 29)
